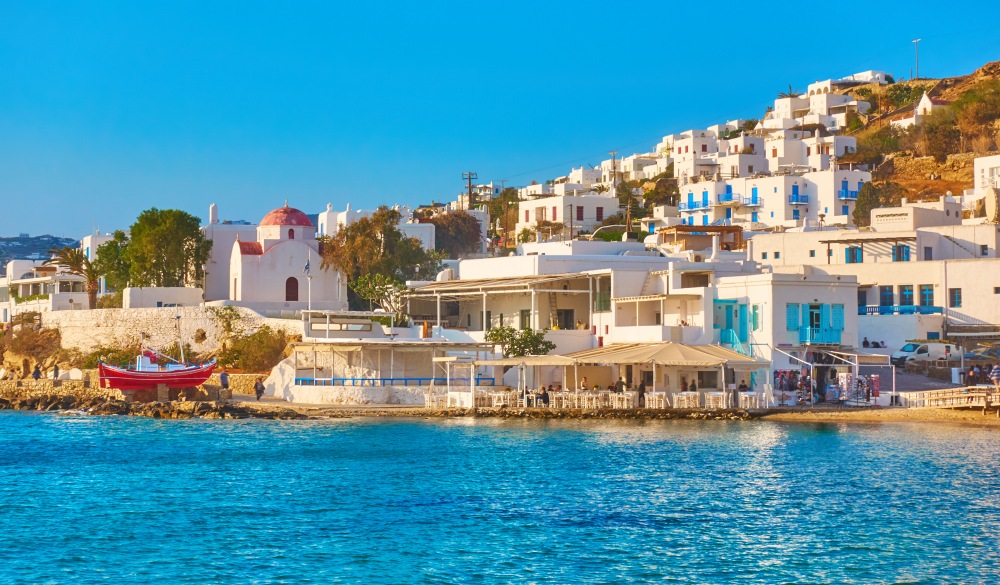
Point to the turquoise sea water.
(129, 500)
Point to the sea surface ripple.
(131, 500)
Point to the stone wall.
(238, 383)
(12, 390)
(88, 330)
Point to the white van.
(915, 351)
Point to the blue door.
(729, 213)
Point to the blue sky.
(109, 108)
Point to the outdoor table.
(499, 399)
(748, 399)
(715, 399)
(624, 400)
(688, 400)
(656, 400)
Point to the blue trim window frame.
(885, 296)
(845, 210)
(901, 253)
(926, 295)
(906, 295)
(955, 298)
(854, 255)
(795, 214)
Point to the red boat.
(174, 376)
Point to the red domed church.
(279, 270)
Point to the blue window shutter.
(847, 255)
(795, 189)
(906, 253)
(824, 315)
(792, 316)
(838, 317)
(754, 192)
(844, 210)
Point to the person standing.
(224, 380)
(55, 372)
(258, 388)
(995, 376)
(642, 394)
(36, 373)
(620, 385)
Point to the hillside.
(32, 247)
(935, 156)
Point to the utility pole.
(570, 221)
(470, 176)
(916, 49)
(506, 212)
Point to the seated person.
(542, 398)
(743, 386)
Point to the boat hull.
(122, 379)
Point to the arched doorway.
(292, 289)
(291, 234)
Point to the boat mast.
(180, 341)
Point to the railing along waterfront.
(899, 310)
(480, 381)
(967, 397)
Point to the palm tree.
(791, 93)
(75, 262)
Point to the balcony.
(728, 199)
(753, 201)
(798, 199)
(845, 195)
(693, 205)
(899, 310)
(819, 336)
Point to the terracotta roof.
(286, 216)
(251, 249)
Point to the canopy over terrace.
(478, 290)
(668, 354)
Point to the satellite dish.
(992, 201)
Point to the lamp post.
(916, 50)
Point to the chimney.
(213, 214)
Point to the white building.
(330, 222)
(583, 212)
(278, 271)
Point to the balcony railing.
(845, 195)
(798, 199)
(819, 336)
(899, 310)
(692, 205)
(727, 198)
(753, 201)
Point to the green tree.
(112, 261)
(76, 262)
(456, 233)
(868, 199)
(374, 245)
(791, 93)
(167, 248)
(383, 291)
(514, 343)
(938, 134)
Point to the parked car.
(984, 353)
(923, 352)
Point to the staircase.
(646, 285)
(972, 253)
(553, 311)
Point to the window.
(525, 319)
(292, 289)
(812, 253)
(526, 217)
(555, 211)
(763, 255)
(900, 253)
(984, 249)
(685, 148)
(600, 214)
(291, 234)
(579, 213)
(795, 214)
(704, 148)
(792, 317)
(488, 321)
(955, 298)
(854, 255)
(774, 153)
(837, 318)
(885, 297)
(657, 318)
(926, 295)
(906, 295)
(777, 255)
(928, 253)
(996, 290)
(829, 252)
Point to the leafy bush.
(110, 301)
(258, 352)
(116, 356)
